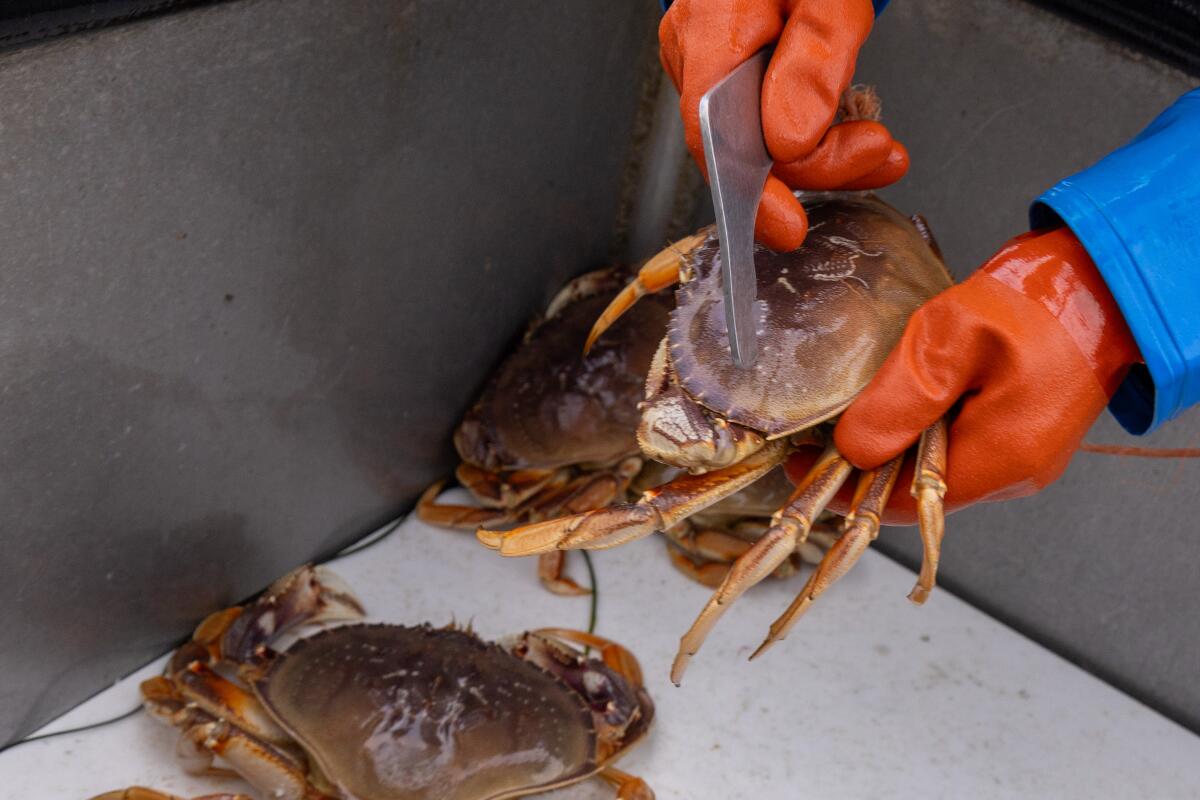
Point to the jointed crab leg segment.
(655, 275)
(790, 526)
(142, 793)
(929, 487)
(455, 516)
(704, 556)
(860, 529)
(629, 787)
(551, 570)
(224, 699)
(586, 491)
(264, 765)
(615, 656)
(705, 573)
(268, 769)
(657, 510)
(510, 489)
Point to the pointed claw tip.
(567, 590)
(678, 669)
(591, 339)
(762, 648)
(919, 595)
(489, 539)
(428, 497)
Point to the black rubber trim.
(27, 21)
(1166, 29)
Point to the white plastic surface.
(869, 697)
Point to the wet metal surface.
(869, 697)
(258, 258)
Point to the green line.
(587, 560)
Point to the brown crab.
(555, 434)
(392, 712)
(829, 313)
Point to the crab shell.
(827, 315)
(391, 712)
(546, 407)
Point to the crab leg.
(587, 492)
(860, 529)
(657, 510)
(510, 490)
(551, 571)
(615, 656)
(551, 568)
(655, 275)
(704, 556)
(266, 766)
(142, 793)
(705, 573)
(223, 699)
(790, 526)
(929, 488)
(307, 595)
(268, 769)
(555, 495)
(455, 516)
(629, 787)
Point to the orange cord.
(1140, 452)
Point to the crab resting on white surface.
(393, 712)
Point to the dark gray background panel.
(258, 257)
(997, 100)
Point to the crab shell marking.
(828, 315)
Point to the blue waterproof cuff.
(1137, 212)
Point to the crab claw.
(305, 596)
(593, 530)
(615, 656)
(489, 538)
(655, 275)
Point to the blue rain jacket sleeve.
(1137, 211)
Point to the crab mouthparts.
(677, 431)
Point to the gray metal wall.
(997, 100)
(257, 258)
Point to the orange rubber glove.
(817, 43)
(1024, 355)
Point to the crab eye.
(597, 688)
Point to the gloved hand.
(1025, 354)
(818, 42)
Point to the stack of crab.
(654, 429)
